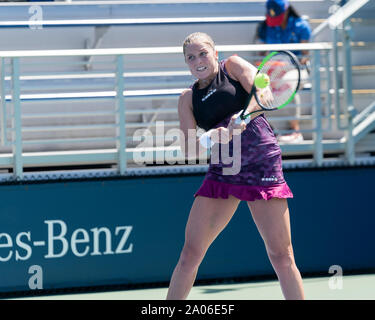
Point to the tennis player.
(220, 92)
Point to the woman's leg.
(208, 217)
(272, 220)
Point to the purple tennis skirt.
(249, 167)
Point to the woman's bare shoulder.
(235, 66)
(186, 98)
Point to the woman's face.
(201, 59)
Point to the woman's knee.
(281, 257)
(191, 257)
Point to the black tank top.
(222, 98)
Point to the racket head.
(283, 70)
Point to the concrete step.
(363, 77)
(366, 144)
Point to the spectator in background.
(284, 25)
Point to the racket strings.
(284, 80)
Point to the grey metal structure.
(102, 115)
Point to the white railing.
(13, 97)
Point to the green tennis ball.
(262, 80)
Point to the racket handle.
(205, 140)
(239, 120)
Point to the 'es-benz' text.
(80, 242)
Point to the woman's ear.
(217, 55)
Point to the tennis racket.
(283, 72)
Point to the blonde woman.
(212, 103)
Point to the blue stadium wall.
(131, 230)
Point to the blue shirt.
(296, 30)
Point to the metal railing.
(18, 105)
(103, 25)
(340, 25)
(127, 22)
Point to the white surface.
(354, 287)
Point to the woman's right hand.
(225, 135)
(236, 127)
(221, 135)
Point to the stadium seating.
(47, 84)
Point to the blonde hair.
(198, 36)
